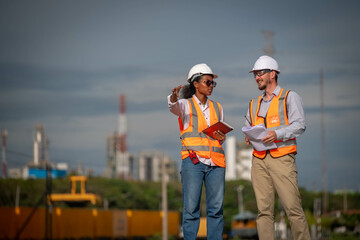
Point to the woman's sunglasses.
(209, 82)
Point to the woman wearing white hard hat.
(203, 158)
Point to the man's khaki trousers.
(278, 174)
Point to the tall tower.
(268, 47)
(323, 146)
(122, 155)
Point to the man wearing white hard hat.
(274, 170)
(203, 158)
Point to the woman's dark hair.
(188, 90)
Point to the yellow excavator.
(74, 198)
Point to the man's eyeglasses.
(209, 82)
(261, 72)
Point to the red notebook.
(222, 126)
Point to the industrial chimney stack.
(122, 155)
(41, 143)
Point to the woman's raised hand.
(175, 93)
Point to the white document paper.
(255, 134)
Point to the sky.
(63, 64)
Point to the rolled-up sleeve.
(296, 118)
(180, 108)
(175, 107)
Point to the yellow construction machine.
(75, 198)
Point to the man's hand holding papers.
(256, 135)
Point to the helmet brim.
(214, 76)
(278, 72)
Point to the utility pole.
(164, 199)
(240, 198)
(48, 205)
(17, 200)
(324, 177)
(317, 215)
(345, 201)
(4, 134)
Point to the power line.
(17, 158)
(19, 153)
(31, 156)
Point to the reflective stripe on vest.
(276, 118)
(203, 145)
(203, 148)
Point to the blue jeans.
(192, 178)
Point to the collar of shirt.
(203, 106)
(276, 92)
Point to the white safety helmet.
(266, 62)
(199, 70)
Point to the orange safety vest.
(193, 139)
(276, 118)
